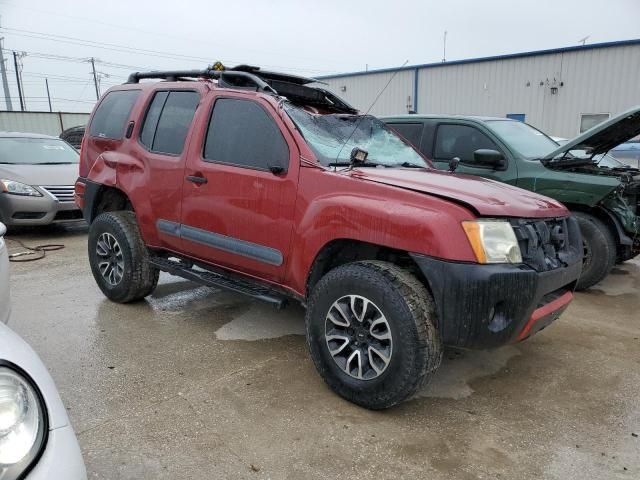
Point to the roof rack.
(247, 77)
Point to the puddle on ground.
(460, 367)
(263, 321)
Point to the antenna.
(444, 47)
(584, 40)
(369, 109)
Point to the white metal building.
(48, 123)
(561, 91)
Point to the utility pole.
(3, 74)
(15, 64)
(5, 82)
(46, 82)
(95, 77)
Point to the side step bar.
(213, 279)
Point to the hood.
(486, 197)
(604, 136)
(62, 174)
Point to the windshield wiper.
(410, 165)
(53, 163)
(360, 164)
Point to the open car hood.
(486, 197)
(604, 136)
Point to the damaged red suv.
(261, 183)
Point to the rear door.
(162, 144)
(240, 187)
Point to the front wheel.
(119, 259)
(371, 333)
(599, 250)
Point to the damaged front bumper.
(486, 306)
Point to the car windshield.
(36, 151)
(526, 140)
(327, 134)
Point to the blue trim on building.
(416, 76)
(620, 43)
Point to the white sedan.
(36, 438)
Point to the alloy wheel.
(358, 337)
(110, 259)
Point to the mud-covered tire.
(138, 277)
(600, 250)
(411, 316)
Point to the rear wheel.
(599, 250)
(119, 259)
(371, 333)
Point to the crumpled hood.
(62, 174)
(486, 197)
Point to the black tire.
(410, 314)
(138, 277)
(599, 250)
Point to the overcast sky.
(308, 37)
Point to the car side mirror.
(489, 158)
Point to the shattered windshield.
(327, 134)
(526, 140)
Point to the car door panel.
(240, 217)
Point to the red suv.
(263, 184)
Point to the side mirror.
(489, 158)
(453, 164)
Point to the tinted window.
(151, 120)
(411, 131)
(172, 121)
(460, 141)
(242, 133)
(112, 114)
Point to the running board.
(213, 279)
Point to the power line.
(126, 49)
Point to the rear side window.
(168, 120)
(410, 131)
(460, 141)
(242, 133)
(110, 118)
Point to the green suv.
(605, 198)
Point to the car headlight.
(493, 241)
(17, 188)
(23, 423)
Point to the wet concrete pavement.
(197, 383)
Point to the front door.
(240, 187)
(461, 141)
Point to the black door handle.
(196, 179)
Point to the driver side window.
(460, 141)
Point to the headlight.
(17, 188)
(22, 424)
(493, 241)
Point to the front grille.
(63, 193)
(547, 244)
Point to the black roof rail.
(227, 78)
(247, 77)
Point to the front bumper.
(16, 210)
(61, 458)
(486, 306)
